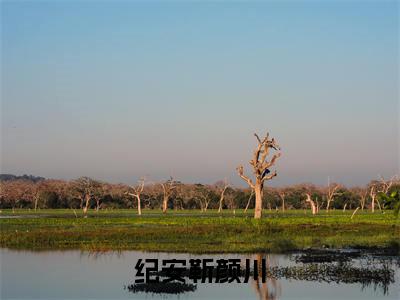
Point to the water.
(82, 275)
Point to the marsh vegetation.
(197, 232)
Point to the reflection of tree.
(96, 254)
(321, 266)
(271, 288)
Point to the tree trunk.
(85, 209)
(328, 204)
(139, 207)
(258, 191)
(165, 204)
(248, 202)
(313, 206)
(373, 204)
(221, 200)
(354, 212)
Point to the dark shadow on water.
(161, 288)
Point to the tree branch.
(244, 177)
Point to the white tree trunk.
(165, 204)
(139, 206)
(258, 191)
(313, 207)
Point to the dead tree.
(386, 185)
(379, 187)
(168, 187)
(313, 206)
(85, 188)
(261, 171)
(331, 192)
(223, 188)
(372, 194)
(363, 194)
(137, 191)
(204, 196)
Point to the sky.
(116, 90)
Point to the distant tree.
(221, 187)
(362, 194)
(49, 199)
(85, 189)
(331, 192)
(9, 177)
(136, 192)
(390, 197)
(312, 204)
(204, 195)
(168, 187)
(17, 193)
(391, 201)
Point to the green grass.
(192, 231)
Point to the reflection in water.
(338, 267)
(270, 289)
(111, 275)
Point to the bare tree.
(102, 190)
(168, 187)
(84, 188)
(312, 203)
(261, 171)
(386, 185)
(376, 187)
(137, 191)
(372, 194)
(331, 192)
(204, 196)
(222, 188)
(362, 194)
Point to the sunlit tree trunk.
(313, 207)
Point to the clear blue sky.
(116, 90)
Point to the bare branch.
(244, 177)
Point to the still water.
(83, 275)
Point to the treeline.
(36, 192)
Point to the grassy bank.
(192, 231)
